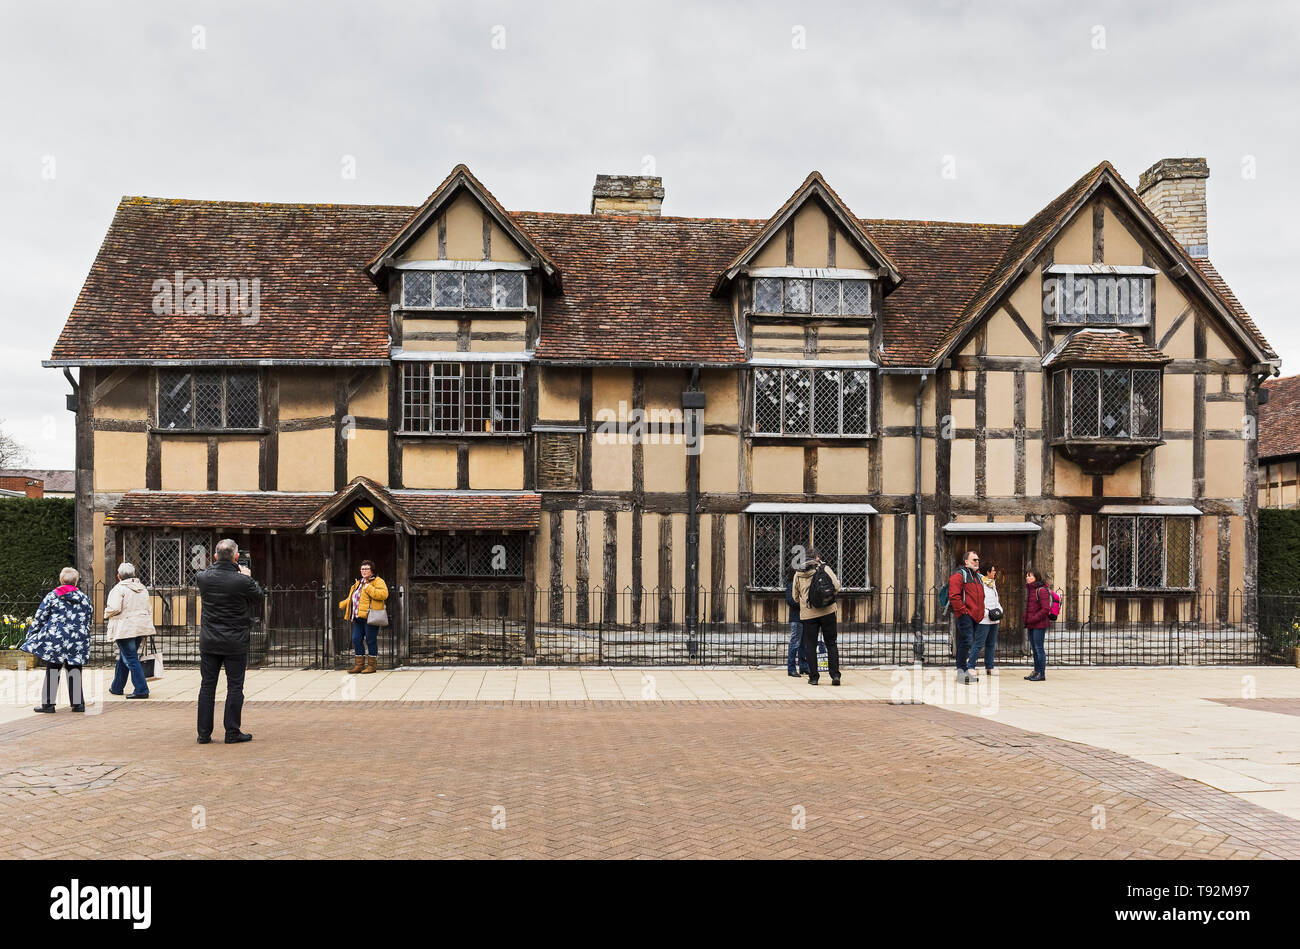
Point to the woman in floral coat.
(60, 637)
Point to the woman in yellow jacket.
(366, 594)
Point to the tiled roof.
(260, 509)
(1221, 287)
(634, 288)
(266, 510)
(1104, 345)
(470, 510)
(316, 300)
(638, 287)
(1279, 419)
(62, 480)
(942, 265)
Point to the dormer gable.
(1061, 244)
(462, 225)
(813, 231)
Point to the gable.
(812, 226)
(1101, 220)
(464, 230)
(462, 220)
(811, 238)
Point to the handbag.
(152, 662)
(995, 614)
(377, 617)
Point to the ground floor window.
(1149, 552)
(167, 558)
(781, 540)
(476, 556)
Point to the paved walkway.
(599, 779)
(1234, 730)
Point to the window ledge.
(154, 430)
(1146, 591)
(402, 433)
(844, 591)
(750, 314)
(1097, 325)
(470, 310)
(807, 440)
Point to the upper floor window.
(815, 296)
(1149, 553)
(1107, 404)
(208, 398)
(782, 540)
(1105, 299)
(471, 397)
(812, 402)
(463, 289)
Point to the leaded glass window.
(472, 397)
(798, 401)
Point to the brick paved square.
(611, 779)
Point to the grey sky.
(733, 115)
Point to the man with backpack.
(966, 598)
(815, 587)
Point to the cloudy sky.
(732, 103)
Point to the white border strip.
(442, 355)
(1114, 269)
(1170, 509)
(816, 363)
(997, 527)
(784, 507)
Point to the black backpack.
(821, 591)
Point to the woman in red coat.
(1038, 607)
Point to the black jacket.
(227, 597)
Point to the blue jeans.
(128, 661)
(1036, 638)
(363, 635)
(796, 648)
(986, 638)
(965, 634)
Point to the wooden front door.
(1009, 553)
(350, 548)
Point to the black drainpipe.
(693, 431)
(918, 604)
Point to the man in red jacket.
(966, 597)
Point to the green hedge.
(37, 540)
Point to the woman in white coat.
(986, 631)
(129, 611)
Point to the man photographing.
(228, 592)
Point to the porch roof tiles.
(265, 510)
(273, 510)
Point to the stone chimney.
(627, 194)
(1174, 189)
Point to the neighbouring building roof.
(633, 288)
(57, 480)
(1279, 419)
(1104, 345)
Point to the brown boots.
(364, 664)
(372, 665)
(358, 665)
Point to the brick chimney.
(627, 194)
(1174, 189)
